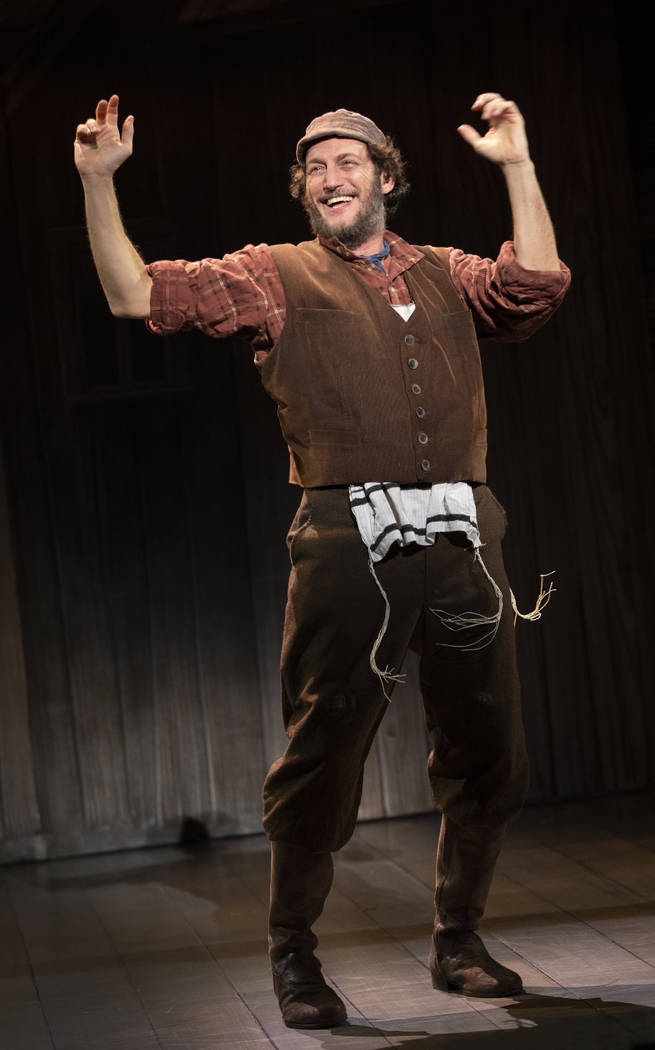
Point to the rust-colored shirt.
(242, 294)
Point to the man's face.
(345, 191)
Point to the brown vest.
(363, 395)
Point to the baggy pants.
(333, 702)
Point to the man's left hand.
(505, 142)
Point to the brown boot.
(300, 883)
(459, 961)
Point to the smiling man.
(345, 193)
(368, 346)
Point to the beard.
(370, 221)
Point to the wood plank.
(23, 1025)
(111, 1026)
(184, 993)
(177, 975)
(357, 1032)
(627, 864)
(558, 948)
(554, 877)
(56, 923)
(16, 978)
(69, 952)
(83, 991)
(206, 1025)
(556, 943)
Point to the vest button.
(425, 464)
(412, 363)
(420, 412)
(410, 340)
(423, 438)
(416, 388)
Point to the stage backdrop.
(143, 495)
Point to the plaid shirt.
(242, 294)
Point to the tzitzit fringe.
(388, 674)
(464, 621)
(542, 600)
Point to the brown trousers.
(333, 702)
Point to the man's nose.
(332, 177)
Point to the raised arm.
(100, 149)
(506, 144)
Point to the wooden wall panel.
(19, 812)
(89, 653)
(120, 523)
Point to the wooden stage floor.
(165, 948)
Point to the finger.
(127, 135)
(112, 110)
(496, 110)
(101, 111)
(469, 134)
(487, 96)
(87, 132)
(84, 133)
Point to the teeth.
(338, 200)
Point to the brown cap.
(340, 124)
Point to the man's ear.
(387, 182)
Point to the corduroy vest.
(363, 395)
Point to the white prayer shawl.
(388, 513)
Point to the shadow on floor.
(534, 1022)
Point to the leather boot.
(300, 883)
(459, 961)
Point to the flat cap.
(340, 124)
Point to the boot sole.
(440, 984)
(317, 1027)
(330, 1022)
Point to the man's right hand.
(99, 150)
(99, 146)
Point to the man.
(368, 347)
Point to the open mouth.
(338, 202)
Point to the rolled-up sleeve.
(507, 301)
(240, 294)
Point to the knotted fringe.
(387, 675)
(542, 600)
(464, 621)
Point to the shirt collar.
(401, 254)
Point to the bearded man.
(368, 346)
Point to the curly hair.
(388, 161)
